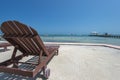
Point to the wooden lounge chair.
(26, 40)
(4, 45)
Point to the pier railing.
(108, 35)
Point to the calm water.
(81, 39)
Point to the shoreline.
(84, 44)
(79, 44)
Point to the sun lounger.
(4, 45)
(26, 40)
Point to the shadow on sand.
(7, 76)
(3, 50)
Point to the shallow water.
(81, 39)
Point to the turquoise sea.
(80, 38)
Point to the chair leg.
(46, 72)
(57, 52)
(5, 48)
(15, 65)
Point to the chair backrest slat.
(17, 28)
(21, 27)
(6, 30)
(33, 46)
(12, 29)
(27, 45)
(20, 44)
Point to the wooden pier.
(106, 35)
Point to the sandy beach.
(76, 62)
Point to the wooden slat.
(27, 45)
(40, 44)
(32, 45)
(23, 43)
(40, 56)
(21, 27)
(12, 28)
(36, 45)
(17, 28)
(33, 31)
(6, 30)
(27, 30)
(5, 44)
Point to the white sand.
(86, 63)
(7, 54)
(83, 63)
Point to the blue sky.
(64, 16)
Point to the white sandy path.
(86, 63)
